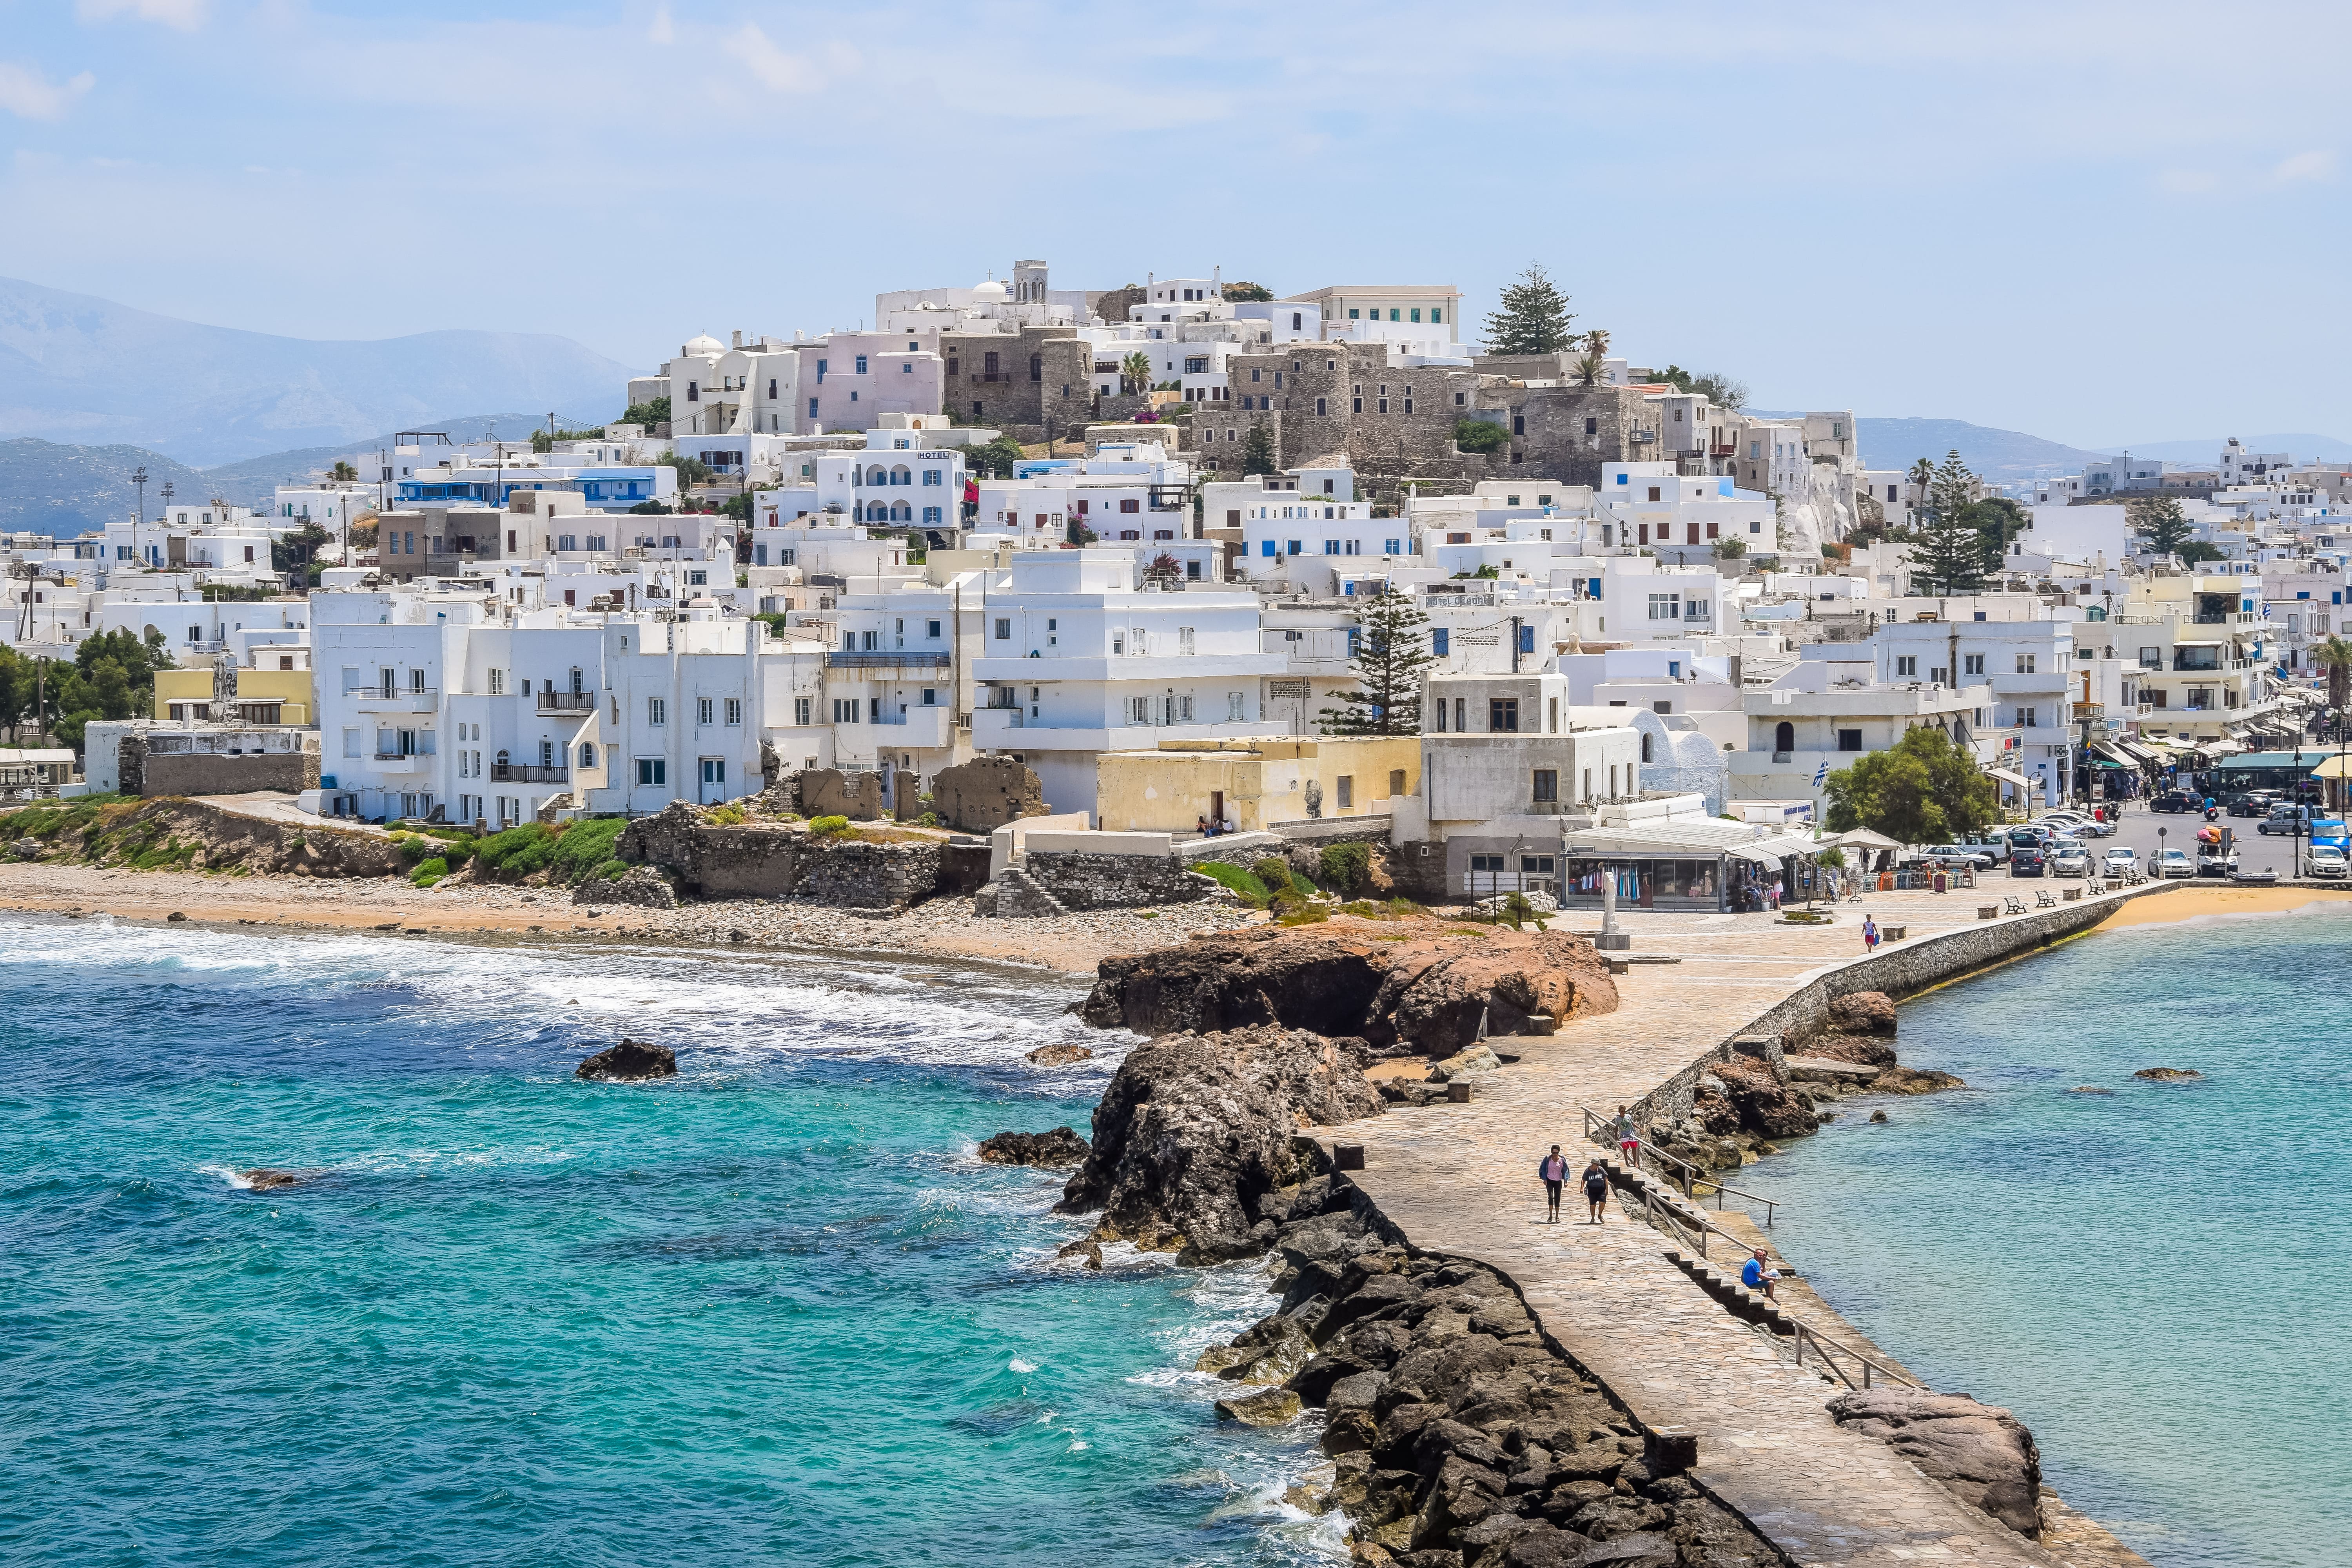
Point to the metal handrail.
(1602, 1130)
(1673, 1227)
(1822, 1345)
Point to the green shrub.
(1252, 892)
(1303, 914)
(829, 825)
(729, 815)
(1275, 872)
(583, 845)
(518, 852)
(430, 872)
(1479, 435)
(1347, 866)
(610, 871)
(413, 850)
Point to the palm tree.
(1591, 368)
(1135, 371)
(342, 472)
(1596, 343)
(2334, 656)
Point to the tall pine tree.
(1947, 552)
(1533, 319)
(1257, 450)
(2159, 521)
(1389, 656)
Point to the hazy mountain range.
(60, 489)
(76, 369)
(2011, 457)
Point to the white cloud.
(764, 59)
(662, 31)
(188, 15)
(2304, 167)
(28, 94)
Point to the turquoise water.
(771, 1310)
(2149, 1279)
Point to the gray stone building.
(1024, 382)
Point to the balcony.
(994, 376)
(903, 663)
(567, 702)
(401, 762)
(917, 727)
(375, 700)
(527, 773)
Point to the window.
(652, 771)
(702, 709)
(1665, 606)
(1138, 710)
(1906, 666)
(1004, 629)
(1184, 639)
(2029, 718)
(735, 710)
(861, 364)
(1849, 740)
(656, 710)
(2151, 658)
(1972, 663)
(2025, 664)
(1503, 715)
(1439, 641)
(800, 712)
(1547, 781)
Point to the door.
(1216, 806)
(714, 781)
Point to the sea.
(773, 1309)
(2145, 1273)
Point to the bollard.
(1457, 1092)
(1347, 1156)
(1669, 1450)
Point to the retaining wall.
(1081, 882)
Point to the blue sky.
(2098, 224)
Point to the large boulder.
(1980, 1452)
(1863, 1013)
(641, 887)
(1060, 1146)
(1352, 977)
(629, 1061)
(1195, 1128)
(1767, 1107)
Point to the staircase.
(1017, 894)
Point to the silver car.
(2071, 860)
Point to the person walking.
(1629, 1139)
(1596, 1192)
(1869, 935)
(1553, 1169)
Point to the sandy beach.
(2195, 899)
(941, 928)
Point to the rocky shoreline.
(1459, 1435)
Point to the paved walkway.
(1460, 1179)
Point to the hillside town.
(1204, 562)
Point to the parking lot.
(2139, 827)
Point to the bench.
(2012, 905)
(2043, 900)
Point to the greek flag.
(2267, 609)
(1820, 773)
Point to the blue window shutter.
(1267, 548)
(1527, 639)
(1437, 642)
(1621, 479)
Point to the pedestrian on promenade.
(1629, 1139)
(1758, 1276)
(1554, 1171)
(1869, 935)
(1596, 1192)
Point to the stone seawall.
(1904, 969)
(1081, 882)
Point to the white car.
(2174, 863)
(2076, 824)
(2324, 860)
(2071, 860)
(2122, 860)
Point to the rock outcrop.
(1863, 1013)
(1196, 1130)
(641, 887)
(1457, 1434)
(1416, 985)
(1058, 1056)
(2168, 1074)
(268, 1179)
(1058, 1146)
(629, 1061)
(1980, 1452)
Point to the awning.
(2336, 767)
(2198, 642)
(1751, 852)
(1865, 838)
(2005, 776)
(2222, 748)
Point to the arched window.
(1037, 367)
(1645, 748)
(877, 474)
(499, 768)
(587, 753)
(902, 512)
(900, 475)
(1784, 736)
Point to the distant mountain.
(2206, 451)
(2006, 456)
(62, 490)
(76, 369)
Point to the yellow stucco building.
(1255, 782)
(263, 696)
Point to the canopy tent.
(2336, 767)
(2006, 776)
(1864, 839)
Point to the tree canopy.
(1479, 435)
(1248, 293)
(1257, 450)
(655, 411)
(2159, 520)
(1532, 316)
(994, 460)
(1947, 551)
(1389, 656)
(1723, 391)
(1924, 790)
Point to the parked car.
(2174, 863)
(2326, 860)
(2071, 860)
(1994, 845)
(2254, 803)
(2215, 861)
(2027, 860)
(2032, 835)
(2076, 824)
(1975, 859)
(2284, 818)
(2177, 800)
(2122, 860)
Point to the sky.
(2098, 224)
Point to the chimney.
(739, 339)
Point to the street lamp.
(139, 477)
